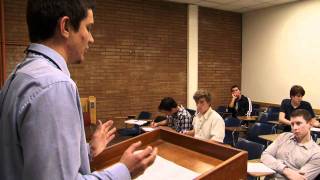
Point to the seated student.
(239, 105)
(208, 124)
(295, 102)
(178, 117)
(294, 155)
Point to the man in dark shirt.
(295, 102)
(239, 105)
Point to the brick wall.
(219, 53)
(139, 54)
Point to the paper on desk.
(165, 169)
(258, 168)
(136, 122)
(147, 129)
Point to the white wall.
(281, 47)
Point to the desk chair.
(221, 110)
(144, 115)
(260, 129)
(254, 149)
(255, 109)
(231, 137)
(135, 130)
(192, 112)
(159, 119)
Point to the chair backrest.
(231, 137)
(263, 117)
(191, 111)
(221, 109)
(273, 109)
(159, 118)
(231, 121)
(254, 149)
(255, 106)
(315, 135)
(260, 129)
(144, 115)
(255, 109)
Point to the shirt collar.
(207, 114)
(307, 145)
(51, 53)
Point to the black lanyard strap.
(43, 55)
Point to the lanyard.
(43, 55)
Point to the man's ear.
(64, 26)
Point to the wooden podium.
(211, 160)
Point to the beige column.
(192, 71)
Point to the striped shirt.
(181, 120)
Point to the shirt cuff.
(119, 171)
(281, 168)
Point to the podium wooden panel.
(211, 160)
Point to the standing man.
(295, 102)
(294, 155)
(207, 124)
(41, 124)
(239, 105)
(178, 117)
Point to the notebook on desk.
(257, 167)
(136, 122)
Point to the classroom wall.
(219, 53)
(138, 57)
(140, 53)
(281, 47)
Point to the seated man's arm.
(311, 169)
(292, 174)
(268, 156)
(233, 99)
(282, 118)
(217, 130)
(161, 123)
(189, 133)
(314, 121)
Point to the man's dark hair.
(234, 86)
(296, 90)
(43, 16)
(167, 104)
(301, 112)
